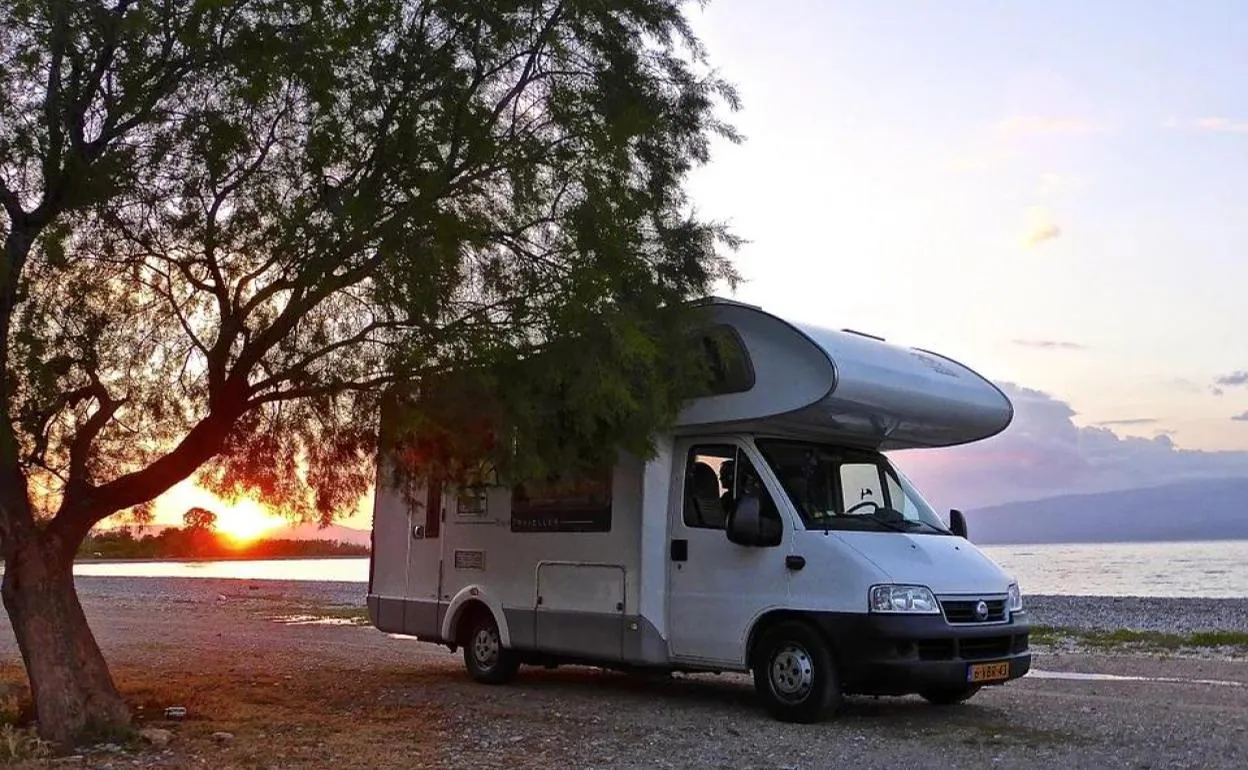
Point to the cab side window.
(716, 476)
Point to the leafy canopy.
(231, 225)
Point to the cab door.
(717, 589)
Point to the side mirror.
(746, 525)
(957, 522)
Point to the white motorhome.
(769, 534)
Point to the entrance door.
(717, 588)
(424, 560)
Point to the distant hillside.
(1196, 510)
(334, 532)
(312, 532)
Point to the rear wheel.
(485, 657)
(949, 696)
(795, 674)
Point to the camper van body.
(835, 578)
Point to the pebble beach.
(1161, 614)
(249, 659)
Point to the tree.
(230, 225)
(199, 519)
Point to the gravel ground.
(1075, 711)
(1145, 614)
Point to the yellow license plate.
(988, 672)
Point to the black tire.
(949, 696)
(487, 661)
(795, 673)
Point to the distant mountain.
(1193, 510)
(298, 532)
(313, 532)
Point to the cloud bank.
(1044, 453)
(1232, 380)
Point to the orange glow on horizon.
(242, 521)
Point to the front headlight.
(913, 599)
(1014, 599)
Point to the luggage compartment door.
(580, 609)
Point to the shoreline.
(197, 559)
(1054, 613)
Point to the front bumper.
(900, 654)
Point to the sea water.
(1206, 568)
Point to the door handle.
(680, 550)
(794, 562)
(418, 532)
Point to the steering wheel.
(856, 506)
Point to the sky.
(1053, 194)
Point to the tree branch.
(93, 504)
(65, 400)
(12, 205)
(80, 447)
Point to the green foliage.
(1141, 640)
(230, 225)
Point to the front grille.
(963, 610)
(971, 649)
(935, 649)
(985, 647)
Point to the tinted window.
(728, 361)
(581, 504)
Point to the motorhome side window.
(731, 370)
(433, 509)
(716, 475)
(563, 504)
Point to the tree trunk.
(75, 698)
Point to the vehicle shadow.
(729, 696)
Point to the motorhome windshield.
(848, 489)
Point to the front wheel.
(485, 657)
(949, 696)
(795, 674)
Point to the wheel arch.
(771, 619)
(472, 599)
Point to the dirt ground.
(244, 660)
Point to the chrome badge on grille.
(981, 610)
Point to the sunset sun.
(245, 521)
(241, 521)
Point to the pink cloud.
(1044, 453)
(1228, 125)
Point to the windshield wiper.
(892, 524)
(930, 526)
